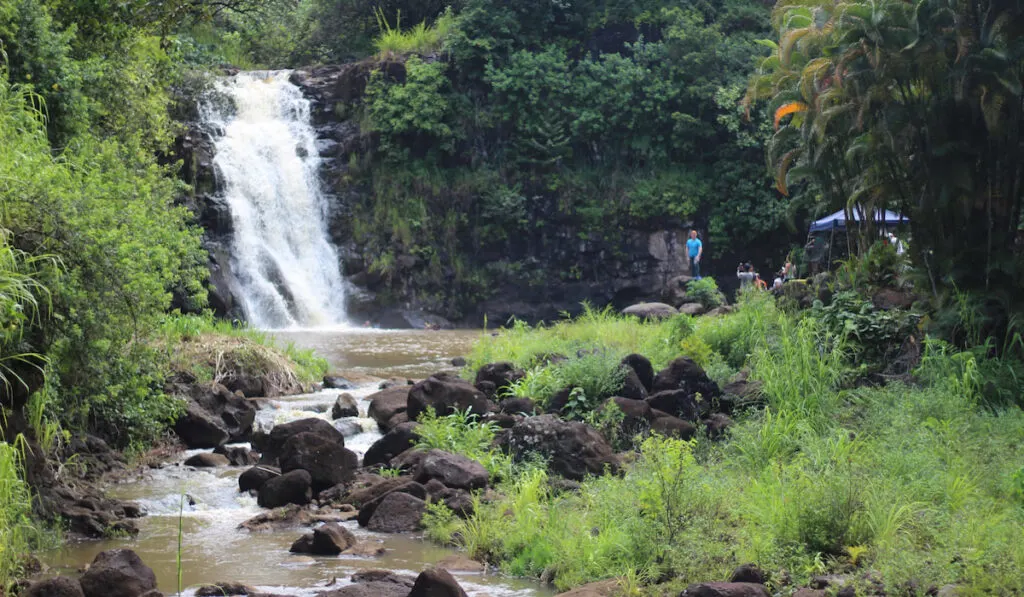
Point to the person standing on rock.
(695, 249)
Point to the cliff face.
(553, 268)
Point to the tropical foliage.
(913, 106)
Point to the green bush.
(872, 335)
(461, 433)
(705, 291)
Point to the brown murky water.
(213, 548)
(386, 353)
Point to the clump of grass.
(215, 350)
(594, 376)
(421, 39)
(463, 433)
(19, 534)
(600, 329)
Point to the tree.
(913, 106)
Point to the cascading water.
(267, 158)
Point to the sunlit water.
(215, 550)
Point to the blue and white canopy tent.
(838, 222)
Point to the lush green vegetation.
(916, 483)
(514, 125)
(914, 107)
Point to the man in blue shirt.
(695, 249)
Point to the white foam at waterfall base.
(267, 159)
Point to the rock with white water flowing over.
(285, 265)
(345, 406)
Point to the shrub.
(871, 334)
(705, 291)
(592, 377)
(461, 433)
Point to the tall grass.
(18, 533)
(420, 39)
(462, 433)
(915, 483)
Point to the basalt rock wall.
(541, 275)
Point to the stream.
(213, 549)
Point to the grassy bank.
(211, 349)
(917, 483)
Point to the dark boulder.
(327, 462)
(366, 488)
(458, 501)
(235, 412)
(255, 477)
(445, 394)
(726, 589)
(573, 450)
(670, 426)
(454, 470)
(678, 403)
(387, 403)
(271, 445)
(716, 425)
(643, 368)
(117, 573)
(403, 580)
(487, 388)
(515, 406)
(237, 455)
(61, 586)
(394, 442)
(367, 511)
(502, 375)
(684, 374)
(225, 589)
(294, 487)
(749, 573)
(207, 460)
(334, 382)
(345, 406)
(368, 589)
(636, 415)
(200, 429)
(326, 540)
(632, 387)
(436, 582)
(397, 513)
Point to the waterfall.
(268, 162)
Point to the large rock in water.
(345, 406)
(397, 513)
(255, 477)
(369, 508)
(271, 445)
(393, 443)
(651, 310)
(573, 450)
(61, 586)
(326, 540)
(294, 487)
(436, 582)
(445, 394)
(454, 470)
(387, 403)
(200, 429)
(327, 462)
(117, 573)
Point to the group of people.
(745, 272)
(748, 277)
